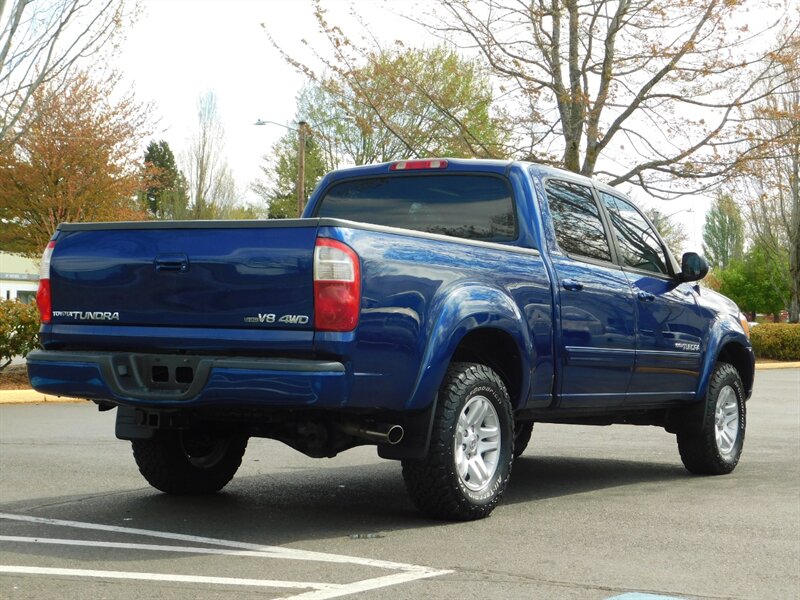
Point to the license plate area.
(154, 372)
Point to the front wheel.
(522, 436)
(469, 461)
(189, 462)
(716, 448)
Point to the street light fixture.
(690, 210)
(301, 159)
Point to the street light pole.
(301, 159)
(301, 167)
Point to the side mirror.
(693, 267)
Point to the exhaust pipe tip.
(381, 433)
(395, 434)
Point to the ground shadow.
(313, 504)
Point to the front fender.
(726, 330)
(458, 311)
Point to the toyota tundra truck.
(435, 309)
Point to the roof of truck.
(462, 165)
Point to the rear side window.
(576, 219)
(476, 207)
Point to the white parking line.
(127, 546)
(164, 577)
(273, 551)
(318, 591)
(364, 586)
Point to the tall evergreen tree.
(723, 233)
(279, 186)
(166, 196)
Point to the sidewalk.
(33, 397)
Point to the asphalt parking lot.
(591, 513)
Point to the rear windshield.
(476, 207)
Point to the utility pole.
(301, 167)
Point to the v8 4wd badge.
(273, 318)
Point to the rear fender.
(460, 310)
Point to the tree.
(211, 184)
(723, 233)
(42, 43)
(377, 105)
(76, 159)
(674, 234)
(166, 195)
(278, 188)
(655, 84)
(769, 183)
(757, 283)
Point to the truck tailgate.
(245, 274)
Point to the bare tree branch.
(42, 43)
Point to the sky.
(180, 49)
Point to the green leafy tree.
(247, 211)
(757, 283)
(392, 105)
(278, 188)
(402, 103)
(770, 182)
(166, 196)
(723, 233)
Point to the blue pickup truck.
(434, 308)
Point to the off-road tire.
(434, 483)
(700, 450)
(522, 436)
(184, 463)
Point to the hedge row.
(19, 326)
(780, 341)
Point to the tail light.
(337, 286)
(43, 298)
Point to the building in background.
(19, 278)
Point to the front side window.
(576, 219)
(476, 207)
(638, 243)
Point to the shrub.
(19, 326)
(780, 341)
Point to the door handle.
(172, 262)
(571, 285)
(645, 296)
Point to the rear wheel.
(189, 462)
(716, 448)
(469, 460)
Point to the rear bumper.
(156, 381)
